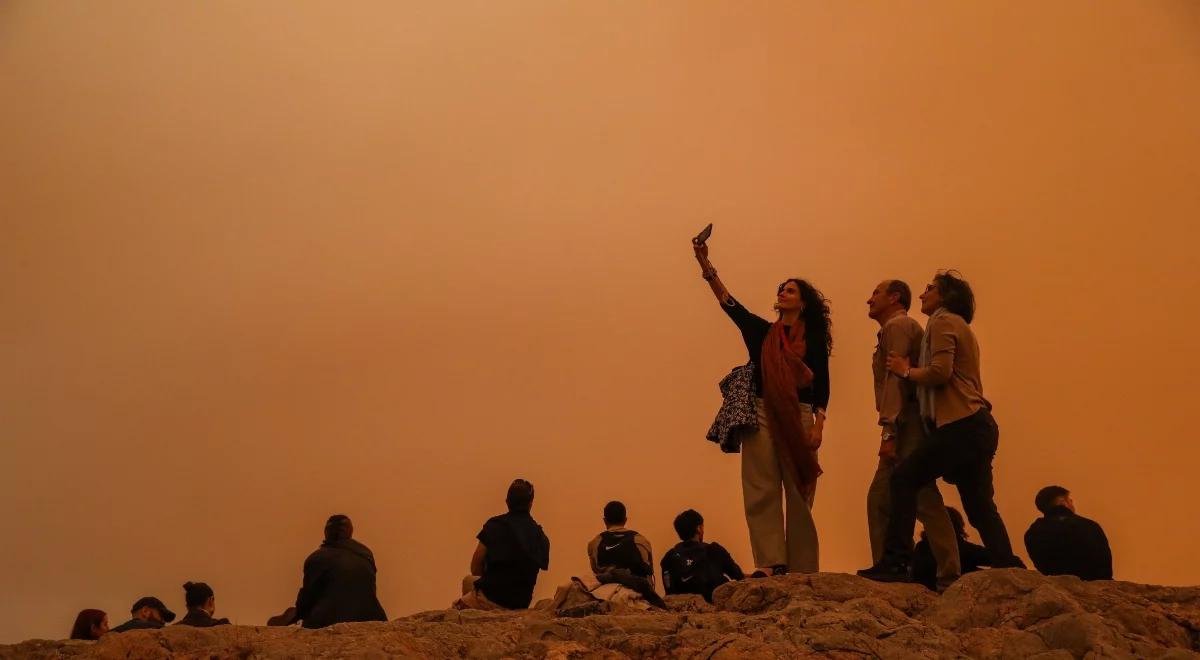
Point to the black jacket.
(1062, 543)
(138, 624)
(971, 558)
(200, 619)
(339, 586)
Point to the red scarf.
(784, 372)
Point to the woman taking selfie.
(790, 359)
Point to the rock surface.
(992, 614)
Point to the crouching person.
(512, 549)
(693, 566)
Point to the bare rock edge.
(992, 614)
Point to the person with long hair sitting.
(90, 624)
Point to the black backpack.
(687, 569)
(619, 550)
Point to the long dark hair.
(817, 325)
(85, 622)
(957, 296)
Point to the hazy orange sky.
(264, 262)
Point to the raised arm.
(710, 274)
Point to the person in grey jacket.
(339, 581)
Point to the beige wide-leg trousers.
(765, 486)
(931, 511)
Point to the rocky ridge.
(991, 614)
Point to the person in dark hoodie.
(148, 613)
(696, 567)
(201, 605)
(339, 582)
(512, 549)
(1064, 543)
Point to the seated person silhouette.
(971, 556)
(693, 566)
(148, 613)
(339, 582)
(201, 605)
(90, 624)
(622, 561)
(1062, 542)
(512, 549)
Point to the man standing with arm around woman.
(790, 358)
(903, 431)
(964, 437)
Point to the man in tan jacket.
(964, 435)
(903, 431)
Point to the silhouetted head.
(149, 608)
(689, 525)
(889, 297)
(798, 294)
(614, 514)
(948, 289)
(520, 496)
(1052, 496)
(90, 624)
(338, 528)
(198, 595)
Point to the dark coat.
(339, 586)
(200, 619)
(137, 624)
(737, 415)
(1062, 543)
(971, 557)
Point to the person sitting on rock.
(972, 557)
(201, 605)
(618, 547)
(1064, 543)
(339, 582)
(622, 558)
(147, 613)
(693, 566)
(90, 624)
(512, 549)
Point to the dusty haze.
(265, 262)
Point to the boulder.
(1003, 614)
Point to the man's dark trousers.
(960, 452)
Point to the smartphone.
(703, 235)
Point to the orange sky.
(265, 262)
